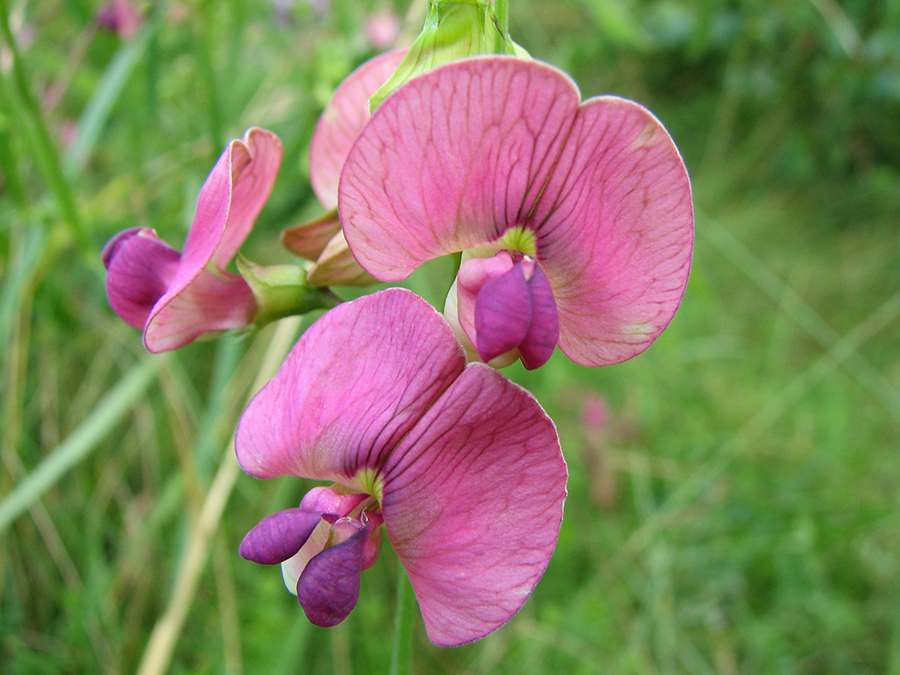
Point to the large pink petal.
(473, 502)
(343, 118)
(351, 388)
(452, 159)
(615, 232)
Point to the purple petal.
(328, 588)
(350, 389)
(543, 332)
(452, 159)
(473, 504)
(140, 267)
(343, 118)
(616, 232)
(502, 314)
(473, 275)
(279, 536)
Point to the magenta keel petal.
(140, 267)
(279, 536)
(543, 333)
(328, 588)
(514, 309)
(502, 314)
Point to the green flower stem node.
(282, 290)
(454, 29)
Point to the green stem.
(501, 7)
(45, 152)
(405, 612)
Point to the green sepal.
(282, 290)
(454, 29)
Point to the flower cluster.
(573, 225)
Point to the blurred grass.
(744, 515)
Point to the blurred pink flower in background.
(122, 17)
(382, 28)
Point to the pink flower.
(382, 29)
(122, 17)
(575, 219)
(176, 297)
(462, 466)
(321, 240)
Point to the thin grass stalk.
(700, 481)
(805, 316)
(164, 638)
(32, 118)
(79, 444)
(404, 625)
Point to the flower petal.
(473, 502)
(543, 332)
(229, 202)
(212, 302)
(615, 232)
(309, 239)
(502, 314)
(279, 536)
(336, 266)
(140, 267)
(328, 588)
(452, 159)
(473, 274)
(254, 166)
(342, 119)
(351, 388)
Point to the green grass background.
(740, 511)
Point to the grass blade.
(81, 442)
